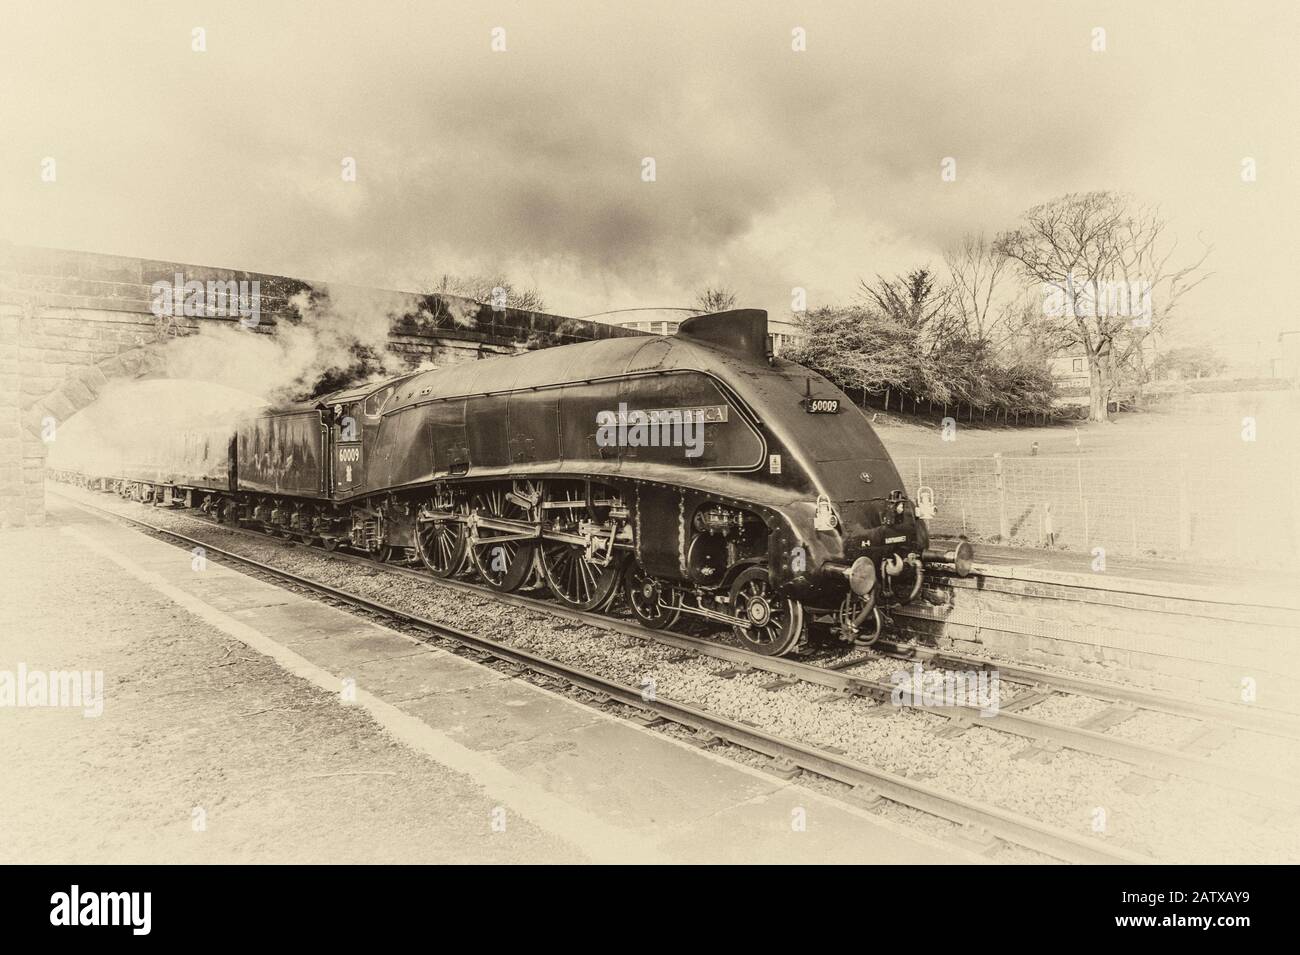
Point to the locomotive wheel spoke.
(441, 546)
(503, 565)
(576, 581)
(773, 625)
(647, 598)
(572, 578)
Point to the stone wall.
(54, 361)
(72, 321)
(22, 455)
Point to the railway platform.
(1223, 633)
(239, 721)
(1157, 578)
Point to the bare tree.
(977, 289)
(491, 290)
(1106, 279)
(712, 299)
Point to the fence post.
(1004, 530)
(1295, 517)
(1184, 507)
(1083, 502)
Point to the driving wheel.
(772, 625)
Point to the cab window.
(346, 425)
(376, 402)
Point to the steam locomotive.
(695, 473)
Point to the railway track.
(1047, 735)
(1125, 700)
(1119, 695)
(868, 784)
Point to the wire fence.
(1234, 508)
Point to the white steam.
(210, 381)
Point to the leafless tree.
(483, 289)
(712, 299)
(1093, 254)
(978, 289)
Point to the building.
(1069, 370)
(1068, 367)
(781, 334)
(1273, 357)
(655, 321)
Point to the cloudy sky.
(774, 168)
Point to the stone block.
(53, 357)
(40, 385)
(31, 420)
(59, 406)
(94, 379)
(69, 328)
(77, 393)
(130, 362)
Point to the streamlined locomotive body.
(694, 473)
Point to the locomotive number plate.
(822, 405)
(349, 454)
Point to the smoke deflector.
(743, 330)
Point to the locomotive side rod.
(512, 530)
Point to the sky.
(774, 168)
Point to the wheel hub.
(758, 611)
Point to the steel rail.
(1047, 734)
(868, 781)
(1267, 722)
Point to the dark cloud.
(774, 168)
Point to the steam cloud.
(212, 380)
